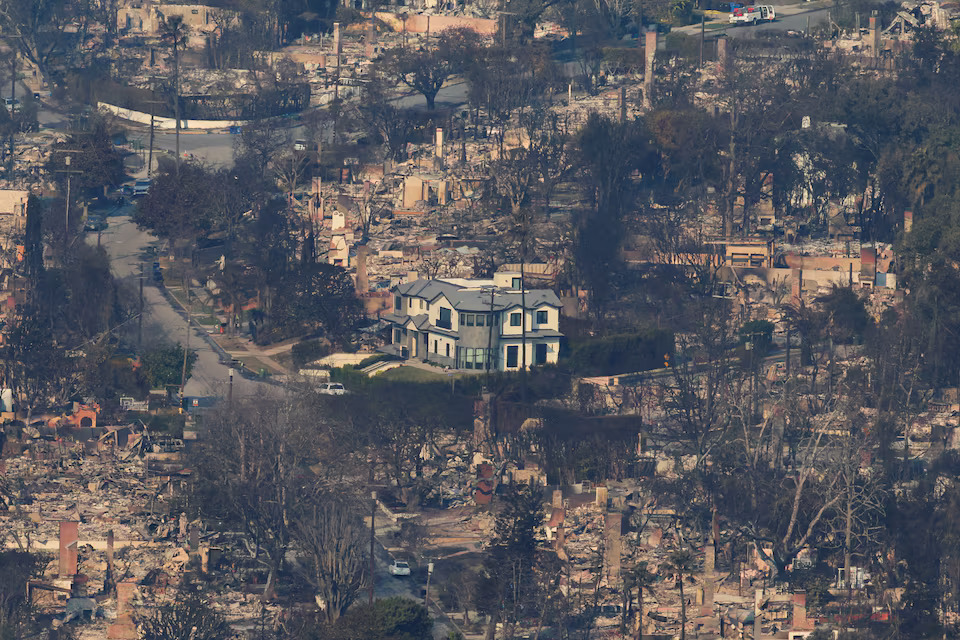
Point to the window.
(435, 350)
(444, 321)
(397, 336)
(482, 319)
(448, 349)
(469, 319)
(397, 304)
(512, 353)
(516, 319)
(496, 319)
(541, 317)
(540, 353)
(515, 284)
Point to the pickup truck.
(753, 15)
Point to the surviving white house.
(466, 324)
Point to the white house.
(473, 324)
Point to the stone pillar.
(709, 559)
(612, 527)
(336, 38)
(557, 502)
(69, 541)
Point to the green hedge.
(612, 355)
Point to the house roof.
(464, 298)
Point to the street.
(125, 244)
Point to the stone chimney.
(873, 37)
(612, 528)
(69, 541)
(800, 610)
(650, 56)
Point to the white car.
(399, 568)
(332, 389)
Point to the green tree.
(163, 366)
(313, 297)
(180, 203)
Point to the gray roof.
(464, 299)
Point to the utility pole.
(13, 105)
(67, 170)
(426, 593)
(702, 29)
(186, 349)
(66, 216)
(140, 319)
(373, 562)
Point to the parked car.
(399, 568)
(95, 223)
(141, 187)
(332, 389)
(300, 145)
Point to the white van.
(141, 187)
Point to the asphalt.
(791, 17)
(126, 245)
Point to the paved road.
(125, 244)
(796, 22)
(217, 148)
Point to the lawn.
(412, 374)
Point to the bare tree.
(332, 538)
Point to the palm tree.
(639, 578)
(174, 33)
(682, 562)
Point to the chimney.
(602, 496)
(336, 39)
(69, 540)
(439, 147)
(557, 499)
(612, 529)
(873, 37)
(907, 221)
(799, 610)
(363, 281)
(722, 53)
(650, 55)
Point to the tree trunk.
(683, 612)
